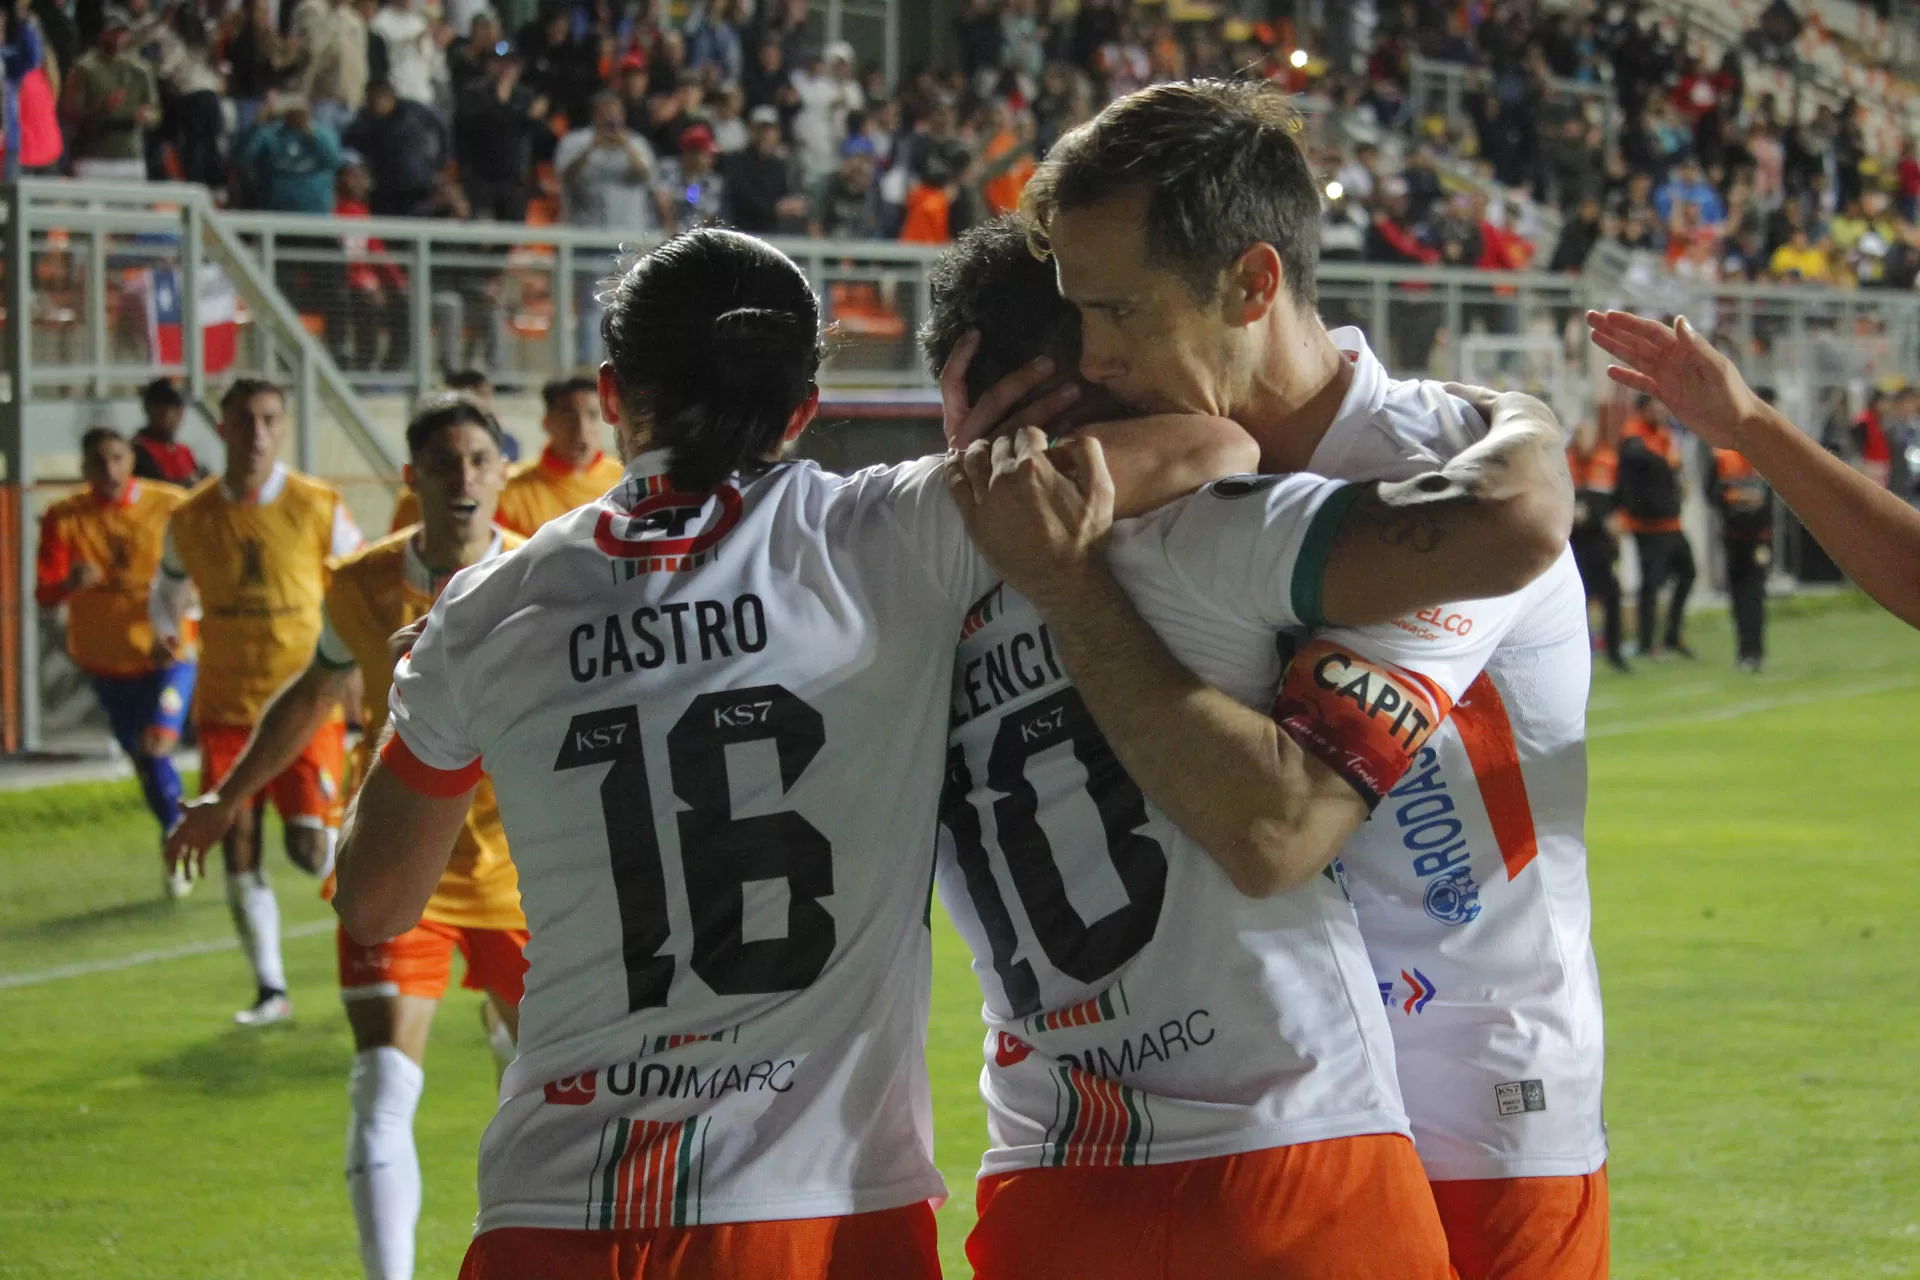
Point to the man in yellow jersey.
(572, 470)
(392, 989)
(253, 543)
(99, 552)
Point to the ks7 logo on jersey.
(573, 1091)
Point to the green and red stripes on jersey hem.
(1105, 1007)
(648, 1173)
(1097, 1121)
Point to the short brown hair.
(1222, 168)
(245, 389)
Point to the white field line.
(138, 958)
(1753, 706)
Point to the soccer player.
(675, 691)
(99, 552)
(1192, 268)
(572, 470)
(1197, 1046)
(157, 451)
(1873, 535)
(253, 544)
(392, 989)
(1745, 504)
(474, 385)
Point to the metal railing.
(81, 335)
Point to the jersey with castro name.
(1470, 877)
(715, 725)
(1140, 1009)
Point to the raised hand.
(1674, 363)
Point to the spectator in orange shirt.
(1651, 488)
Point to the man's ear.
(610, 405)
(803, 415)
(410, 476)
(1256, 283)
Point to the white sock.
(256, 918)
(383, 1169)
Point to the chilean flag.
(219, 317)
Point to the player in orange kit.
(254, 543)
(572, 470)
(392, 989)
(99, 551)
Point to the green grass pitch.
(1757, 892)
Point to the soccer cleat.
(1619, 664)
(1680, 650)
(178, 883)
(1750, 665)
(272, 1007)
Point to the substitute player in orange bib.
(1183, 223)
(253, 544)
(99, 552)
(572, 470)
(391, 989)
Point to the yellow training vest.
(369, 600)
(549, 487)
(108, 631)
(261, 572)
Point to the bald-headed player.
(392, 989)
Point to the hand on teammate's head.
(1004, 407)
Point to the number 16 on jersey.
(719, 853)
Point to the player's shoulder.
(70, 507)
(202, 496)
(373, 558)
(161, 496)
(311, 489)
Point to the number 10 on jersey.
(719, 853)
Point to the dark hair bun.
(715, 338)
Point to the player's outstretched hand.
(1039, 516)
(204, 822)
(1678, 365)
(995, 413)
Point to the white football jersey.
(1140, 1009)
(1470, 877)
(716, 727)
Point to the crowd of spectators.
(649, 115)
(1601, 119)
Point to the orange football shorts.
(311, 791)
(892, 1244)
(1536, 1228)
(1344, 1209)
(420, 962)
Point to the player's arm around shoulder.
(1487, 523)
(1159, 458)
(1268, 813)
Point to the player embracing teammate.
(1182, 224)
